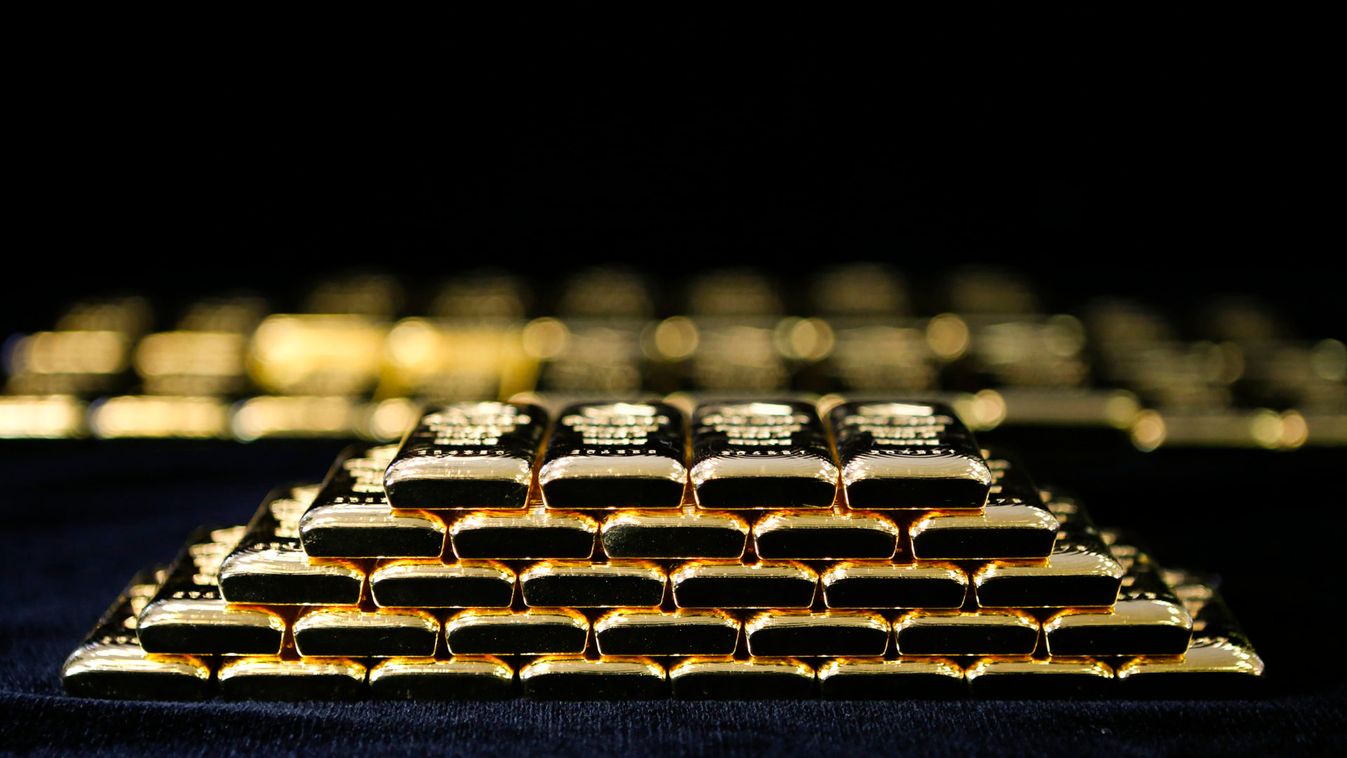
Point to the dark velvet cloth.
(80, 518)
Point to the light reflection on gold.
(1148, 431)
(389, 420)
(1329, 360)
(673, 339)
(545, 338)
(804, 339)
(947, 334)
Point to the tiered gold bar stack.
(733, 549)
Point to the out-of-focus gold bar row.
(343, 365)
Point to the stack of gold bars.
(770, 548)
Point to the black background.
(1163, 153)
(1166, 152)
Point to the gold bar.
(503, 632)
(825, 536)
(925, 633)
(741, 355)
(455, 360)
(615, 455)
(846, 633)
(888, 356)
(431, 583)
(269, 565)
(607, 292)
(716, 678)
(1014, 524)
(629, 631)
(761, 455)
(1058, 407)
(908, 455)
(355, 633)
(591, 356)
(110, 663)
(856, 584)
(1217, 428)
(1080, 572)
(468, 455)
(904, 678)
(730, 584)
(573, 677)
(1148, 619)
(1219, 661)
(317, 354)
(1025, 677)
(286, 678)
(188, 615)
(67, 362)
(691, 533)
(154, 417)
(41, 417)
(296, 416)
(534, 534)
(860, 289)
(351, 517)
(460, 677)
(192, 363)
(582, 584)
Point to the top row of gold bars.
(914, 460)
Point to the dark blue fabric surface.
(80, 519)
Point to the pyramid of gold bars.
(744, 548)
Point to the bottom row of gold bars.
(1166, 633)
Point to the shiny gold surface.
(574, 677)
(1025, 677)
(472, 667)
(128, 658)
(269, 677)
(627, 534)
(824, 531)
(914, 666)
(534, 520)
(364, 633)
(777, 632)
(1206, 655)
(752, 678)
(554, 630)
(752, 574)
(642, 577)
(995, 517)
(190, 613)
(900, 678)
(655, 632)
(898, 575)
(435, 570)
(965, 632)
